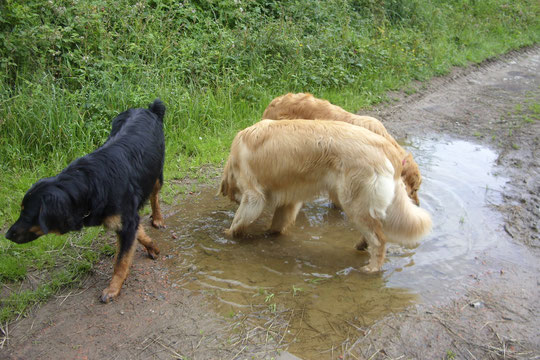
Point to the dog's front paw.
(153, 252)
(158, 223)
(370, 269)
(109, 294)
(233, 233)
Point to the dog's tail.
(158, 108)
(226, 188)
(405, 223)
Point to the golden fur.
(283, 163)
(306, 106)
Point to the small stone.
(477, 304)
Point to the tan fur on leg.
(147, 242)
(157, 219)
(250, 208)
(120, 273)
(376, 242)
(284, 216)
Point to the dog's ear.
(56, 213)
(42, 219)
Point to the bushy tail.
(158, 108)
(405, 223)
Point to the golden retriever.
(284, 163)
(306, 106)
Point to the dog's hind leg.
(147, 242)
(157, 219)
(375, 240)
(123, 260)
(284, 216)
(250, 209)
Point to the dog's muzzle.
(20, 237)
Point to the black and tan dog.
(106, 187)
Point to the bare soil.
(496, 318)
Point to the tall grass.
(67, 67)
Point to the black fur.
(116, 179)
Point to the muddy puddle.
(310, 277)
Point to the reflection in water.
(312, 272)
(459, 187)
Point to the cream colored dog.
(306, 106)
(284, 163)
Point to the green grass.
(68, 67)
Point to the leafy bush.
(68, 66)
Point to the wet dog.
(284, 163)
(306, 106)
(106, 187)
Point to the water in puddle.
(311, 273)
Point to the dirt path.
(492, 104)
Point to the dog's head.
(45, 209)
(293, 106)
(411, 177)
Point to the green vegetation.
(523, 115)
(67, 67)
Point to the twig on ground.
(171, 350)
(150, 343)
(470, 353)
(4, 340)
(238, 353)
(375, 353)
(70, 294)
(498, 351)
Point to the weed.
(296, 290)
(534, 107)
(410, 90)
(268, 297)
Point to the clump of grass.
(54, 260)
